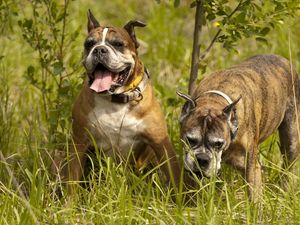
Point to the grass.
(116, 195)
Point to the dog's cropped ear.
(129, 27)
(92, 21)
(188, 106)
(228, 109)
(232, 118)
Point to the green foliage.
(235, 21)
(246, 18)
(250, 18)
(6, 112)
(8, 10)
(46, 33)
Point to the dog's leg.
(289, 137)
(253, 174)
(248, 165)
(159, 141)
(236, 158)
(156, 136)
(146, 158)
(289, 143)
(166, 155)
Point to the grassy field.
(39, 84)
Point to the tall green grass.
(113, 193)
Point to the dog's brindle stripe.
(256, 76)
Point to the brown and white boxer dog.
(234, 110)
(116, 106)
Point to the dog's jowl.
(116, 106)
(234, 110)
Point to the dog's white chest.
(113, 127)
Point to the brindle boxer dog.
(234, 110)
(116, 106)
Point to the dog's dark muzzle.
(100, 51)
(202, 166)
(203, 161)
(100, 55)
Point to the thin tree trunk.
(196, 46)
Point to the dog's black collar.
(135, 94)
(125, 98)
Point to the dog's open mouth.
(103, 79)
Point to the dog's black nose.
(203, 161)
(100, 50)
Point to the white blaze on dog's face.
(206, 136)
(110, 56)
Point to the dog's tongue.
(102, 81)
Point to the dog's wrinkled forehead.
(116, 37)
(206, 121)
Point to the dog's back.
(267, 85)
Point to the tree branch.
(196, 46)
(218, 33)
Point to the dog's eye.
(118, 44)
(218, 144)
(90, 42)
(192, 141)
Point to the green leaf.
(28, 23)
(57, 68)
(227, 10)
(211, 16)
(203, 67)
(176, 3)
(60, 17)
(240, 18)
(221, 13)
(193, 4)
(53, 9)
(53, 116)
(281, 1)
(75, 34)
(63, 91)
(262, 40)
(264, 31)
(29, 175)
(171, 101)
(30, 71)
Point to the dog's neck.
(233, 133)
(226, 97)
(136, 79)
